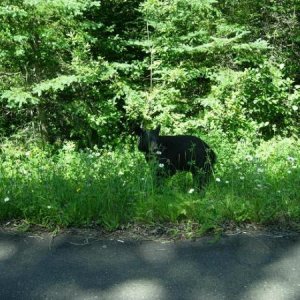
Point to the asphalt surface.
(245, 266)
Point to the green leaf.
(17, 97)
(56, 84)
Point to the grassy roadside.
(108, 188)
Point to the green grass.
(112, 188)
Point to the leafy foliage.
(111, 188)
(77, 75)
(90, 71)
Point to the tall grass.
(111, 188)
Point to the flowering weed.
(252, 183)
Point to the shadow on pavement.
(245, 266)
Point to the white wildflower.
(49, 206)
(226, 181)
(218, 179)
(191, 191)
(6, 199)
(161, 165)
(158, 152)
(242, 177)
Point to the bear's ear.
(157, 130)
(138, 130)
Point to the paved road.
(245, 266)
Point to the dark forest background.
(90, 71)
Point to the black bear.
(177, 153)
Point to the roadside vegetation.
(113, 188)
(76, 78)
